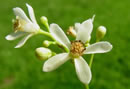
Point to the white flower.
(23, 26)
(77, 49)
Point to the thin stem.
(47, 26)
(91, 60)
(45, 33)
(90, 65)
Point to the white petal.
(14, 36)
(19, 12)
(59, 35)
(77, 26)
(30, 27)
(85, 30)
(55, 61)
(93, 17)
(23, 41)
(31, 14)
(99, 47)
(83, 70)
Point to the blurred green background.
(20, 69)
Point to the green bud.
(101, 31)
(43, 53)
(44, 21)
(47, 43)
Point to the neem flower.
(76, 50)
(23, 26)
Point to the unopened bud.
(43, 53)
(44, 21)
(71, 31)
(101, 31)
(47, 43)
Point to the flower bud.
(47, 43)
(44, 21)
(101, 31)
(43, 53)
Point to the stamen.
(71, 31)
(77, 48)
(16, 25)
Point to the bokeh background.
(20, 69)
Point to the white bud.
(101, 31)
(43, 53)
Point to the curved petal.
(59, 35)
(85, 30)
(99, 47)
(82, 70)
(19, 12)
(31, 13)
(55, 61)
(23, 41)
(14, 36)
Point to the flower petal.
(31, 14)
(14, 36)
(99, 47)
(19, 12)
(82, 70)
(59, 35)
(55, 61)
(77, 26)
(30, 27)
(85, 30)
(23, 41)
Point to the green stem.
(91, 60)
(87, 86)
(45, 33)
(90, 65)
(47, 26)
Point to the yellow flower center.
(77, 48)
(18, 24)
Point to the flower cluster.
(72, 50)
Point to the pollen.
(77, 48)
(17, 24)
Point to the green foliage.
(20, 69)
